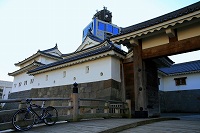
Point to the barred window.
(180, 81)
(32, 80)
(25, 82)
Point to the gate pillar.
(139, 81)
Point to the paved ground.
(187, 124)
(89, 126)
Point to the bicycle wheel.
(23, 120)
(50, 116)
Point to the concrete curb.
(136, 124)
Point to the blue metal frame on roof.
(99, 26)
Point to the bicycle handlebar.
(28, 100)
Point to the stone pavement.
(155, 125)
(186, 124)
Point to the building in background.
(5, 89)
(180, 85)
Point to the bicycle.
(25, 118)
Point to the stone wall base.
(185, 101)
(107, 89)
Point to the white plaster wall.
(41, 59)
(45, 60)
(192, 82)
(77, 73)
(88, 43)
(161, 86)
(21, 78)
(55, 52)
(155, 40)
(115, 67)
(6, 92)
(188, 31)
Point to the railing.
(73, 108)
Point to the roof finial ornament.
(56, 45)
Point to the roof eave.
(94, 57)
(181, 73)
(36, 55)
(142, 32)
(25, 69)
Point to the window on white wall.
(47, 77)
(180, 81)
(64, 74)
(25, 82)
(20, 84)
(87, 69)
(32, 80)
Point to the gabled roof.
(83, 55)
(40, 53)
(182, 68)
(51, 49)
(169, 16)
(89, 36)
(26, 68)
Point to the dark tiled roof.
(42, 52)
(47, 50)
(81, 56)
(26, 68)
(186, 67)
(183, 11)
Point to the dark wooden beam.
(139, 89)
(177, 47)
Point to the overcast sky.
(29, 25)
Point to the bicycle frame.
(31, 108)
(30, 116)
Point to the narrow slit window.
(64, 74)
(25, 82)
(47, 77)
(87, 69)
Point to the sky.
(27, 26)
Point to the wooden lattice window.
(180, 81)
